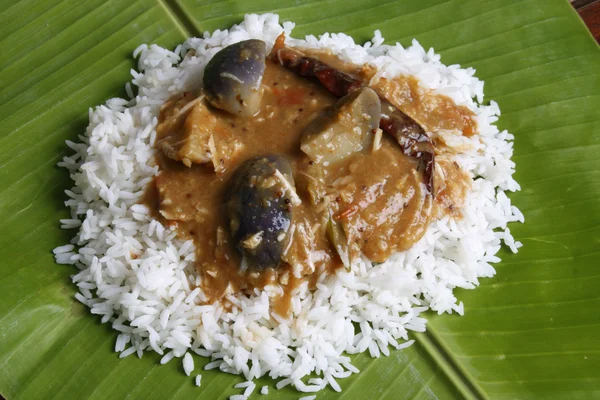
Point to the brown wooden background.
(589, 11)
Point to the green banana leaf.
(531, 332)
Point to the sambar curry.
(292, 164)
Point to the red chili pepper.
(412, 138)
(348, 212)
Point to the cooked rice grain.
(153, 301)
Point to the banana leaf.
(530, 332)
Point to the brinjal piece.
(346, 127)
(259, 207)
(233, 76)
(410, 135)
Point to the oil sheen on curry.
(289, 164)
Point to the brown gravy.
(433, 112)
(377, 195)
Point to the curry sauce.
(373, 201)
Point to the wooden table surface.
(589, 11)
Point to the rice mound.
(139, 277)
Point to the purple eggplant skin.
(232, 78)
(259, 210)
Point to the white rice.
(249, 387)
(198, 380)
(188, 364)
(140, 277)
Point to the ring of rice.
(139, 277)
